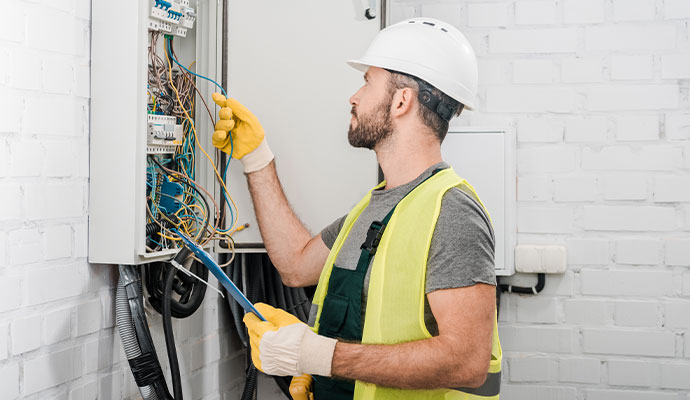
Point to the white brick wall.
(638, 127)
(583, 11)
(600, 89)
(632, 67)
(597, 93)
(57, 334)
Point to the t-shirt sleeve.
(462, 248)
(330, 232)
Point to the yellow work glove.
(300, 388)
(284, 345)
(248, 143)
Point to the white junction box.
(485, 157)
(132, 118)
(549, 259)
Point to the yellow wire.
(196, 139)
(203, 212)
(161, 234)
(153, 99)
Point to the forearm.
(283, 233)
(424, 364)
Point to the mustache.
(353, 112)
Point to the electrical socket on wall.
(549, 259)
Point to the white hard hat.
(429, 49)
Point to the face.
(371, 119)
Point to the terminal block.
(164, 134)
(173, 17)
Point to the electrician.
(405, 303)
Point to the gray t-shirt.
(462, 247)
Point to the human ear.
(402, 101)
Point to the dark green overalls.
(341, 317)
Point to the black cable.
(145, 367)
(191, 291)
(169, 335)
(235, 274)
(278, 290)
(154, 227)
(257, 282)
(269, 277)
(250, 384)
(303, 305)
(541, 282)
(289, 301)
(254, 284)
(298, 304)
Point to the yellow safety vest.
(395, 306)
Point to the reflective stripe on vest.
(395, 310)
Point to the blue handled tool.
(211, 264)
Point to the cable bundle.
(255, 275)
(172, 92)
(175, 200)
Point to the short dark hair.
(429, 117)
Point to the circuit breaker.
(147, 130)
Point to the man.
(405, 303)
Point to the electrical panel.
(153, 168)
(486, 158)
(151, 157)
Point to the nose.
(354, 99)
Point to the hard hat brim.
(362, 66)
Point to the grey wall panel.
(287, 65)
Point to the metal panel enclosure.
(117, 204)
(486, 158)
(287, 64)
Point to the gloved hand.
(284, 345)
(300, 388)
(248, 142)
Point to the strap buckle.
(374, 234)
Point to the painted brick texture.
(596, 91)
(57, 334)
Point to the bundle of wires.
(255, 275)
(193, 210)
(172, 92)
(175, 200)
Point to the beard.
(372, 128)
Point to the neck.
(403, 157)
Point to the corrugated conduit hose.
(135, 336)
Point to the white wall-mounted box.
(119, 128)
(285, 62)
(486, 158)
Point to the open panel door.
(286, 63)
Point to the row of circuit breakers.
(172, 17)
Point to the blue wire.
(151, 239)
(227, 166)
(197, 75)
